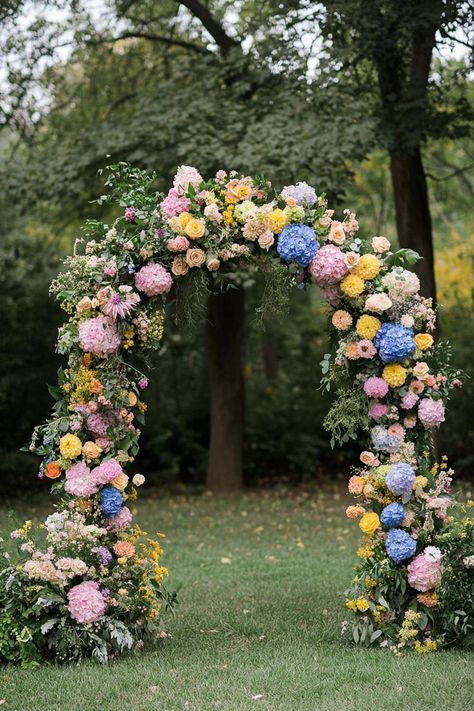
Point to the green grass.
(257, 626)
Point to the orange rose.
(52, 470)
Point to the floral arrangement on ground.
(88, 581)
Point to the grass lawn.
(257, 626)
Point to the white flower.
(432, 553)
(138, 479)
(407, 320)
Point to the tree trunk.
(413, 213)
(224, 340)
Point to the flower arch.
(97, 587)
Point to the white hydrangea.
(401, 284)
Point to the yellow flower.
(368, 267)
(70, 446)
(362, 604)
(120, 482)
(352, 285)
(394, 374)
(276, 220)
(369, 523)
(183, 219)
(132, 399)
(423, 341)
(420, 482)
(367, 326)
(341, 320)
(194, 229)
(365, 551)
(351, 604)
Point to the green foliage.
(347, 415)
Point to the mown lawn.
(258, 622)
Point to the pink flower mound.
(80, 481)
(331, 293)
(178, 244)
(377, 410)
(424, 573)
(328, 266)
(173, 204)
(431, 412)
(107, 471)
(409, 400)
(98, 423)
(375, 387)
(98, 336)
(153, 279)
(121, 521)
(85, 602)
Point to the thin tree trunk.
(413, 213)
(225, 341)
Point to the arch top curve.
(393, 381)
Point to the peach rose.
(212, 263)
(124, 549)
(421, 370)
(91, 450)
(380, 245)
(180, 266)
(337, 234)
(367, 458)
(120, 482)
(266, 239)
(351, 259)
(195, 257)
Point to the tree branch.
(152, 38)
(217, 32)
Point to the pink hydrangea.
(185, 176)
(153, 279)
(121, 521)
(98, 422)
(424, 572)
(107, 471)
(178, 244)
(328, 266)
(86, 603)
(99, 336)
(375, 387)
(366, 349)
(409, 400)
(174, 203)
(377, 410)
(80, 481)
(431, 412)
(331, 294)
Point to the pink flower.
(121, 304)
(328, 267)
(98, 423)
(212, 213)
(409, 400)
(377, 410)
(99, 336)
(356, 485)
(409, 422)
(174, 203)
(431, 412)
(424, 572)
(368, 458)
(107, 471)
(153, 279)
(330, 293)
(178, 244)
(375, 387)
(121, 521)
(86, 603)
(185, 176)
(366, 349)
(396, 430)
(79, 481)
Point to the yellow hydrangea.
(352, 285)
(394, 374)
(70, 446)
(367, 326)
(423, 341)
(369, 523)
(276, 220)
(368, 267)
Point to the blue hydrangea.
(394, 342)
(400, 479)
(392, 515)
(303, 193)
(297, 243)
(383, 441)
(111, 501)
(400, 545)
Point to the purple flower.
(143, 383)
(130, 214)
(105, 556)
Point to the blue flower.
(392, 515)
(394, 342)
(400, 479)
(383, 441)
(111, 501)
(297, 243)
(399, 545)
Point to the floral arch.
(96, 586)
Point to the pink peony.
(328, 266)
(375, 387)
(185, 176)
(174, 203)
(80, 481)
(178, 244)
(86, 603)
(153, 279)
(377, 410)
(107, 471)
(98, 336)
(431, 412)
(424, 572)
(409, 400)
(121, 521)
(366, 349)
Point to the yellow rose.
(183, 219)
(194, 229)
(369, 523)
(394, 374)
(120, 482)
(132, 399)
(423, 341)
(352, 285)
(276, 220)
(91, 450)
(368, 267)
(367, 327)
(70, 446)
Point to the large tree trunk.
(225, 340)
(413, 213)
